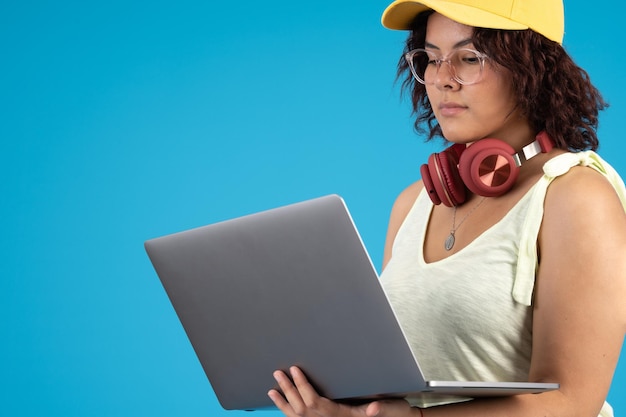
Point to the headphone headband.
(541, 144)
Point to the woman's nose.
(445, 76)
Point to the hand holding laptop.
(299, 395)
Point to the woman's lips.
(451, 109)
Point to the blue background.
(122, 121)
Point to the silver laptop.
(294, 286)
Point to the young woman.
(508, 255)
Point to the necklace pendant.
(449, 244)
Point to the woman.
(511, 267)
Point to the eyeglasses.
(466, 65)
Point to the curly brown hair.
(553, 92)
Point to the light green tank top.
(469, 316)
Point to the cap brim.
(400, 14)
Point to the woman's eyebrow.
(459, 44)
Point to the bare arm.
(580, 313)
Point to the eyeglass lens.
(465, 65)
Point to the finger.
(302, 383)
(280, 402)
(312, 400)
(291, 402)
(387, 408)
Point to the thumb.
(373, 409)
(387, 408)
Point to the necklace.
(449, 243)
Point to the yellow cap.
(542, 16)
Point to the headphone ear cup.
(448, 165)
(487, 167)
(442, 180)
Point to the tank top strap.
(527, 265)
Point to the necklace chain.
(449, 243)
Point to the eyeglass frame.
(438, 61)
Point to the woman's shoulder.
(586, 196)
(583, 177)
(401, 207)
(406, 199)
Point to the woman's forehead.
(445, 33)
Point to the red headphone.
(488, 168)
